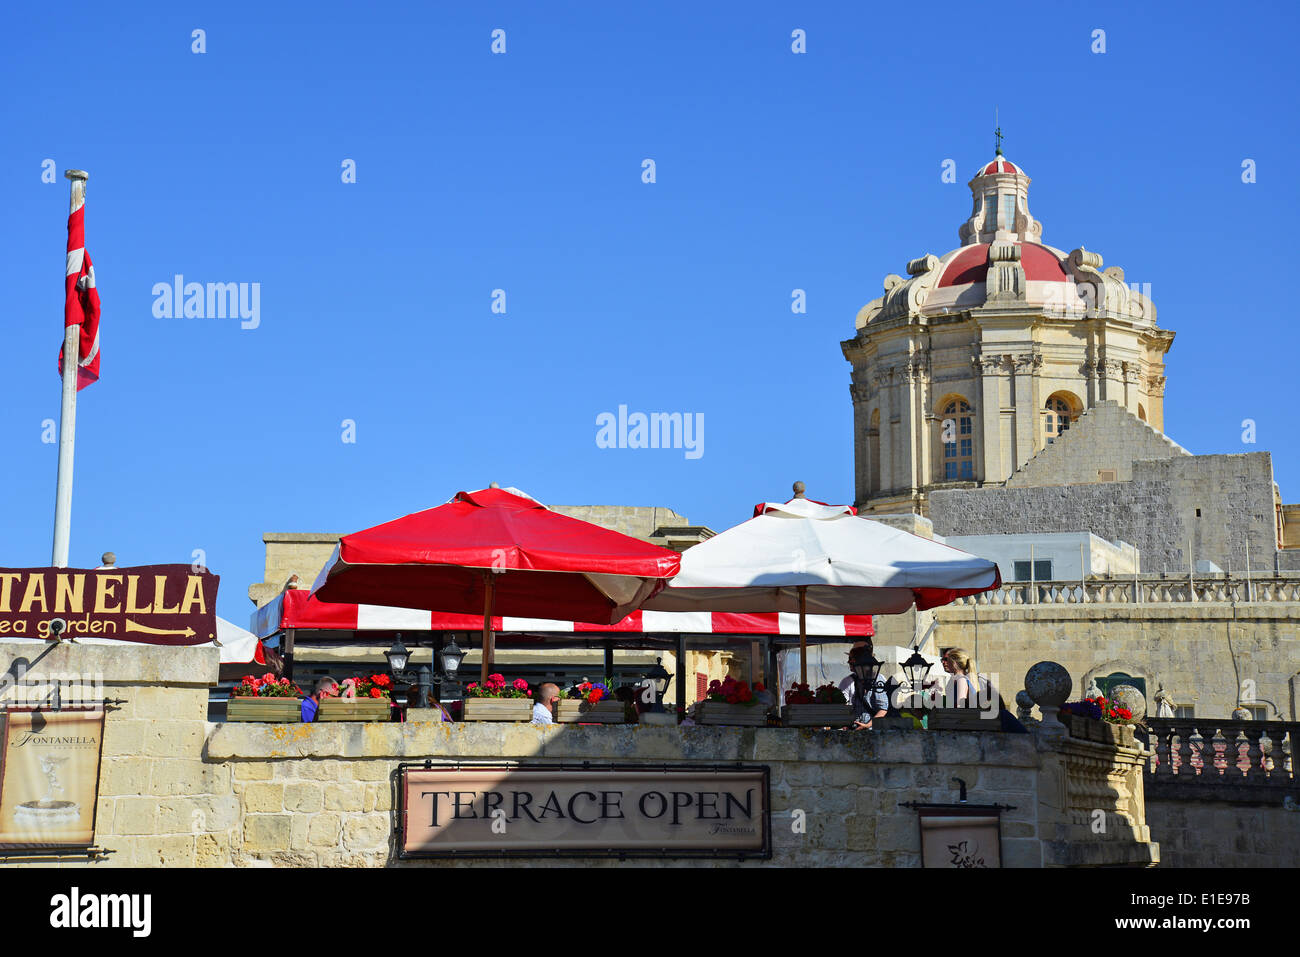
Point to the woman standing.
(965, 691)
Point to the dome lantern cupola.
(1001, 206)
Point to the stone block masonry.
(176, 790)
(1176, 510)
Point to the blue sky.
(523, 172)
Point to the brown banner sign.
(49, 778)
(155, 604)
(547, 811)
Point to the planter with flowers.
(731, 702)
(1098, 719)
(824, 708)
(497, 700)
(589, 702)
(363, 698)
(267, 698)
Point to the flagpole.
(68, 412)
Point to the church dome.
(1002, 262)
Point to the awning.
(298, 609)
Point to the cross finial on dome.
(997, 134)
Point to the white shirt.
(541, 714)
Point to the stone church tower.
(976, 361)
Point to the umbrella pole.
(803, 634)
(489, 638)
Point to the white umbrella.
(808, 557)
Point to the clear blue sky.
(522, 172)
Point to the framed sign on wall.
(513, 810)
(49, 778)
(960, 836)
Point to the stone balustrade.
(1143, 591)
(1234, 758)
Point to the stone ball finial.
(1241, 714)
(494, 485)
(798, 489)
(1048, 684)
(1127, 696)
(108, 559)
(1024, 704)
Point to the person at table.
(326, 686)
(545, 700)
(868, 703)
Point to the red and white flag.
(81, 305)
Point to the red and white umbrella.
(497, 552)
(802, 556)
(301, 610)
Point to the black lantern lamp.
(452, 656)
(398, 659)
(867, 670)
(917, 669)
(661, 678)
(397, 656)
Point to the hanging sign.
(153, 604)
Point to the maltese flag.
(81, 305)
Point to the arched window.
(1060, 413)
(958, 439)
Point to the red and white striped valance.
(297, 609)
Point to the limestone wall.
(1106, 437)
(1203, 833)
(1183, 646)
(321, 794)
(1156, 511)
(179, 791)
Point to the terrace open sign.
(585, 811)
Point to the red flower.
(471, 686)
(733, 699)
(758, 686)
(596, 695)
(376, 693)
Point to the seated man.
(867, 703)
(545, 700)
(311, 704)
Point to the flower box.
(1078, 726)
(354, 709)
(278, 710)
(498, 709)
(573, 711)
(719, 712)
(816, 715)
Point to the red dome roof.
(972, 265)
(999, 165)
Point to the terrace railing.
(1142, 591)
(1207, 757)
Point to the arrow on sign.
(145, 629)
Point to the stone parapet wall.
(1198, 651)
(321, 794)
(176, 790)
